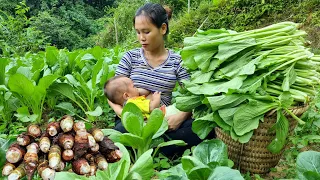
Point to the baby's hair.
(111, 92)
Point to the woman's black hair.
(156, 13)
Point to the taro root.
(15, 153)
(91, 141)
(101, 161)
(34, 130)
(109, 150)
(53, 128)
(18, 173)
(54, 156)
(7, 169)
(89, 157)
(81, 166)
(95, 149)
(44, 171)
(67, 155)
(93, 168)
(97, 134)
(66, 141)
(79, 126)
(61, 166)
(23, 139)
(106, 146)
(66, 124)
(31, 157)
(81, 144)
(113, 156)
(44, 144)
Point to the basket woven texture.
(254, 156)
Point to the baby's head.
(119, 88)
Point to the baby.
(120, 90)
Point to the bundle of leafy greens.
(237, 77)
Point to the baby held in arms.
(121, 90)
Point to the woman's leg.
(119, 126)
(185, 133)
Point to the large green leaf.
(251, 84)
(203, 126)
(188, 58)
(242, 139)
(20, 84)
(132, 123)
(143, 166)
(188, 103)
(213, 88)
(282, 129)
(289, 78)
(163, 128)
(51, 55)
(95, 71)
(72, 80)
(114, 135)
(241, 66)
(227, 114)
(247, 117)
(190, 162)
(211, 151)
(97, 112)
(26, 71)
(153, 124)
(308, 165)
(201, 173)
(225, 173)
(132, 108)
(63, 89)
(224, 101)
(229, 49)
(202, 57)
(45, 82)
(67, 107)
(131, 140)
(97, 52)
(199, 77)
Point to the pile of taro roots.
(61, 142)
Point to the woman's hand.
(174, 121)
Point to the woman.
(153, 68)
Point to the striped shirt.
(162, 78)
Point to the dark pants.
(184, 132)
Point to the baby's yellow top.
(143, 104)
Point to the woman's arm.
(174, 121)
(116, 107)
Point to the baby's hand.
(156, 95)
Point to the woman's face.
(149, 35)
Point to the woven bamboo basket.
(254, 156)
